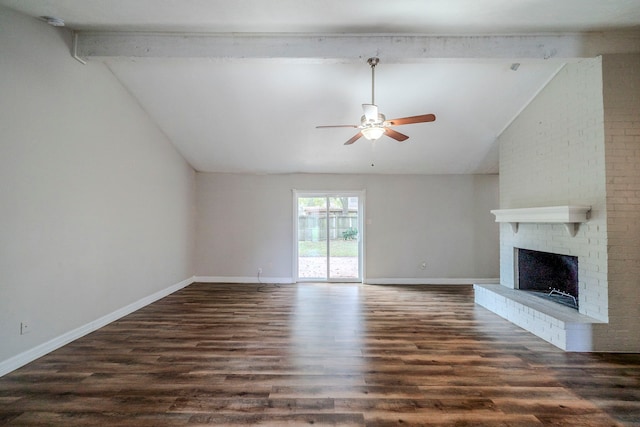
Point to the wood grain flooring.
(324, 355)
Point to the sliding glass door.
(329, 236)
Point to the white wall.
(96, 206)
(246, 222)
(553, 154)
(578, 143)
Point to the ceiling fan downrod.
(373, 62)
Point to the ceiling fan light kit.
(372, 133)
(374, 124)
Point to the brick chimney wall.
(578, 143)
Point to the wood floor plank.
(324, 355)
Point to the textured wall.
(621, 81)
(553, 154)
(579, 143)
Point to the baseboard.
(243, 279)
(34, 353)
(427, 281)
(370, 281)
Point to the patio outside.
(312, 259)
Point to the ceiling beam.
(350, 48)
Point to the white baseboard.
(34, 353)
(427, 281)
(370, 281)
(243, 279)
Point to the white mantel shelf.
(570, 216)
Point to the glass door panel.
(329, 243)
(312, 238)
(343, 238)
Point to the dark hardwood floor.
(320, 354)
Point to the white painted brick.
(578, 142)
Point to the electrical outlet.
(259, 270)
(25, 328)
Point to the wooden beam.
(350, 47)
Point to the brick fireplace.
(576, 144)
(565, 231)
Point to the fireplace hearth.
(548, 275)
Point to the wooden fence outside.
(314, 228)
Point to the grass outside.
(338, 248)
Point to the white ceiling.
(258, 114)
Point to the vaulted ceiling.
(240, 85)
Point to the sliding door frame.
(360, 194)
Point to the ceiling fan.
(374, 124)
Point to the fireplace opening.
(548, 275)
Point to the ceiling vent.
(52, 20)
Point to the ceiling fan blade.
(370, 112)
(337, 126)
(413, 119)
(395, 135)
(353, 139)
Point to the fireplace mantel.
(569, 215)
